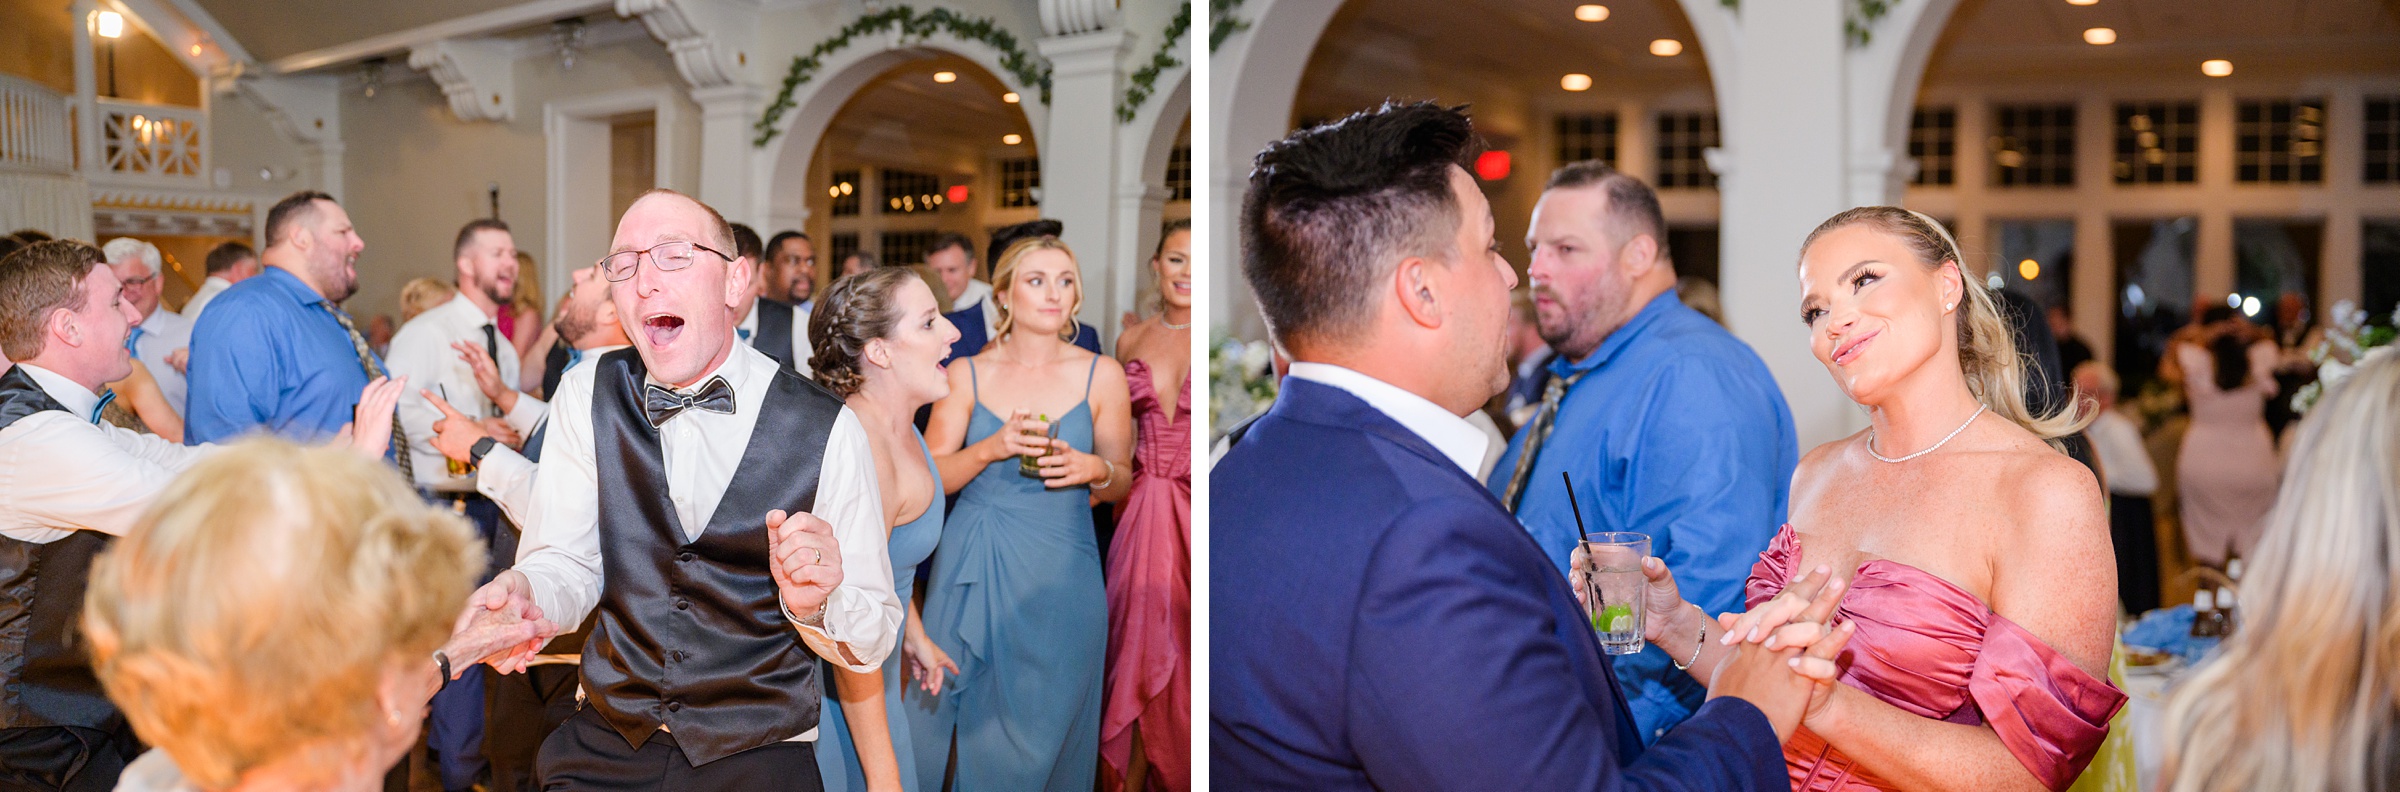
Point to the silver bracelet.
(1112, 475)
(1697, 643)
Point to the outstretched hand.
(500, 626)
(455, 434)
(805, 558)
(370, 429)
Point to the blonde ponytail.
(1987, 347)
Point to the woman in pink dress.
(1145, 727)
(1981, 606)
(2226, 470)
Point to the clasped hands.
(1060, 464)
(501, 625)
(1780, 656)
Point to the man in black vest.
(768, 325)
(667, 474)
(75, 482)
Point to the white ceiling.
(903, 117)
(276, 29)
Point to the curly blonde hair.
(250, 617)
(1987, 349)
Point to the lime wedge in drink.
(1614, 618)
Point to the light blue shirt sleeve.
(235, 373)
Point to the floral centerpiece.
(1241, 381)
(2349, 339)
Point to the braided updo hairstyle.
(856, 309)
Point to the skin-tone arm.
(141, 393)
(870, 729)
(926, 660)
(1111, 459)
(946, 433)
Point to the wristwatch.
(484, 446)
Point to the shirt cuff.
(853, 619)
(528, 413)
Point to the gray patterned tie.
(366, 360)
(1540, 431)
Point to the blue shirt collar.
(1658, 306)
(291, 285)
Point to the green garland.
(1859, 23)
(1145, 81)
(1027, 68)
(1223, 23)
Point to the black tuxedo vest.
(691, 634)
(45, 671)
(774, 334)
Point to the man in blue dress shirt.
(1668, 425)
(276, 353)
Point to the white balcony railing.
(152, 141)
(35, 131)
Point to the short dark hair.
(952, 239)
(775, 243)
(746, 244)
(1333, 208)
(1632, 205)
(225, 256)
(466, 233)
(1005, 236)
(36, 281)
(292, 209)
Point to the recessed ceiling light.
(2083, 2)
(195, 50)
(2100, 36)
(1591, 13)
(1666, 48)
(1576, 82)
(945, 77)
(2217, 67)
(111, 25)
(1012, 138)
(1010, 97)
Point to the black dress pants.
(520, 711)
(65, 758)
(585, 755)
(2132, 528)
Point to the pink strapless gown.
(1932, 649)
(1150, 597)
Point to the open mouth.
(1843, 355)
(662, 329)
(1183, 287)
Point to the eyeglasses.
(666, 256)
(136, 283)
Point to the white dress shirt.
(2123, 456)
(506, 476)
(702, 451)
(421, 352)
(161, 333)
(802, 352)
(60, 473)
(1450, 434)
(209, 289)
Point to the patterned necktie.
(366, 360)
(131, 338)
(660, 404)
(491, 349)
(1542, 421)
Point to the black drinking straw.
(1562, 476)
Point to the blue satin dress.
(1017, 601)
(837, 753)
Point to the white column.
(1138, 209)
(2212, 251)
(1256, 79)
(2338, 274)
(725, 155)
(2094, 309)
(1079, 160)
(1636, 153)
(1785, 171)
(87, 87)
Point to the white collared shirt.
(209, 289)
(163, 332)
(2123, 455)
(979, 293)
(747, 331)
(702, 451)
(421, 352)
(60, 473)
(1452, 435)
(506, 476)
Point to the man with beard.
(427, 351)
(791, 270)
(1668, 425)
(281, 355)
(767, 323)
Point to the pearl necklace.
(1174, 326)
(1930, 449)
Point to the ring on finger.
(820, 556)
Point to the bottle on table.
(2204, 615)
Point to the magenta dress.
(1149, 683)
(1934, 650)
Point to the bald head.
(679, 301)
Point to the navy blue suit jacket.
(971, 336)
(1379, 622)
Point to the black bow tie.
(660, 404)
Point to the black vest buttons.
(674, 706)
(686, 558)
(682, 604)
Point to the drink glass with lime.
(1030, 465)
(1613, 590)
